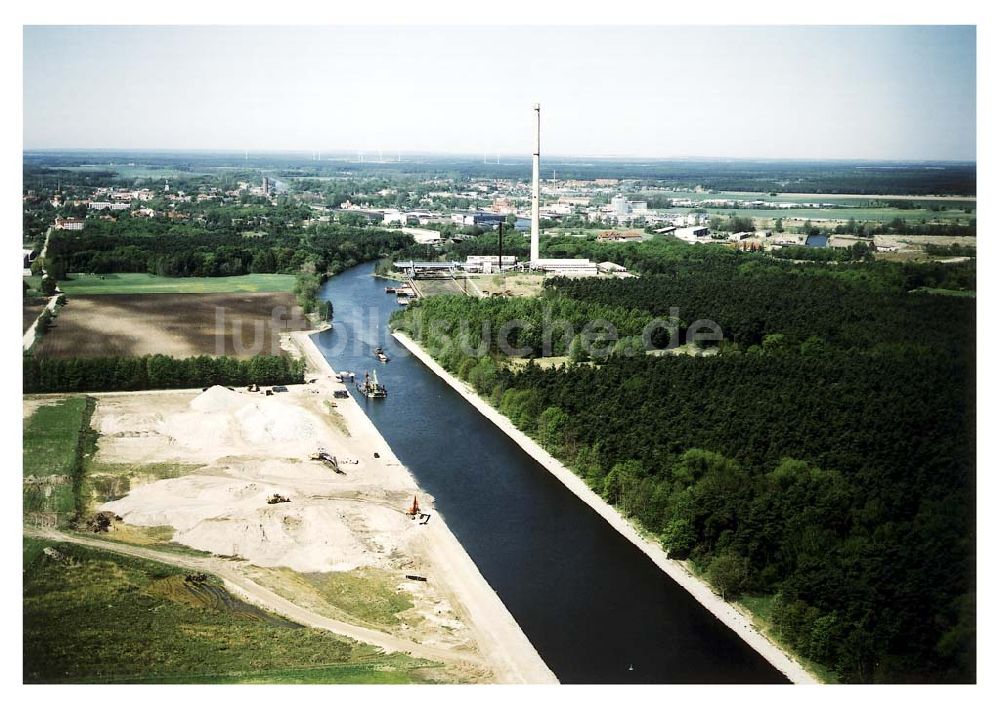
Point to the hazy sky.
(768, 92)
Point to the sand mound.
(217, 399)
(272, 421)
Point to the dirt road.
(252, 592)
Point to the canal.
(593, 605)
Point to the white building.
(394, 216)
(610, 268)
(569, 267)
(488, 264)
(620, 206)
(69, 224)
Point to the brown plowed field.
(180, 325)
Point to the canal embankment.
(501, 642)
(729, 615)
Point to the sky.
(882, 93)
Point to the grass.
(528, 285)
(365, 596)
(56, 441)
(113, 480)
(139, 283)
(104, 617)
(517, 364)
(433, 287)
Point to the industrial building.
(569, 267)
(488, 264)
(694, 234)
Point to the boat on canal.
(371, 388)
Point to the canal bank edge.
(504, 646)
(725, 612)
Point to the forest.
(139, 373)
(824, 459)
(171, 249)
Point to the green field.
(138, 283)
(56, 440)
(103, 617)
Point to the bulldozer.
(327, 459)
(277, 499)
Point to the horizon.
(343, 155)
(806, 93)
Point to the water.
(590, 602)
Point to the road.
(252, 592)
(29, 335)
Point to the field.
(522, 285)
(177, 325)
(55, 442)
(434, 287)
(31, 307)
(92, 616)
(138, 283)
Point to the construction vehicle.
(413, 512)
(277, 499)
(327, 459)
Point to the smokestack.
(534, 184)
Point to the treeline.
(858, 251)
(954, 250)
(172, 249)
(137, 373)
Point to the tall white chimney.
(534, 184)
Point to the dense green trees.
(185, 249)
(825, 458)
(115, 373)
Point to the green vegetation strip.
(56, 440)
(138, 283)
(94, 616)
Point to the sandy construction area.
(237, 449)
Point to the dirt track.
(238, 583)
